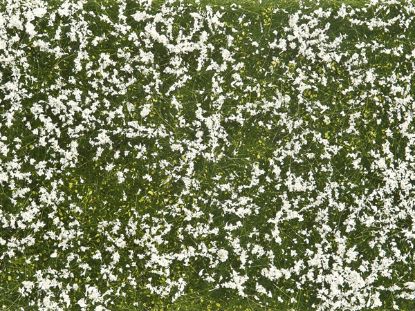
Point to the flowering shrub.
(193, 156)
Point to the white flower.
(39, 12)
(15, 22)
(223, 255)
(410, 285)
(30, 29)
(82, 303)
(27, 287)
(120, 176)
(93, 293)
(139, 16)
(145, 111)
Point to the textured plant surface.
(202, 155)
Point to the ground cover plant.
(207, 155)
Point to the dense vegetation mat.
(207, 155)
